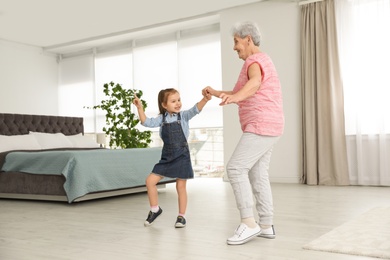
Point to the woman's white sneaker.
(243, 234)
(267, 233)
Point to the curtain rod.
(308, 2)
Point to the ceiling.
(56, 25)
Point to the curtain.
(324, 142)
(364, 39)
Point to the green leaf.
(121, 124)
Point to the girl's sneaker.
(180, 222)
(152, 217)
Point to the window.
(113, 66)
(364, 40)
(187, 60)
(363, 30)
(76, 89)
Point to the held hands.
(208, 91)
(226, 98)
(206, 96)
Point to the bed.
(49, 158)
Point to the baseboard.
(285, 180)
(295, 179)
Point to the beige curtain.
(324, 144)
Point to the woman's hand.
(228, 99)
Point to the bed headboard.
(19, 124)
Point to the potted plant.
(121, 122)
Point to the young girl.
(175, 158)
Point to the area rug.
(367, 235)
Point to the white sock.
(250, 222)
(265, 226)
(154, 209)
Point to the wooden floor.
(112, 229)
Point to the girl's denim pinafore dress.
(175, 157)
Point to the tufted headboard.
(19, 124)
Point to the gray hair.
(247, 28)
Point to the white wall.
(28, 80)
(279, 26)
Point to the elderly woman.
(259, 98)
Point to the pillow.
(18, 142)
(82, 141)
(51, 141)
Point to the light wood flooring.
(112, 229)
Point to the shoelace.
(239, 233)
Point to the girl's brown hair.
(163, 98)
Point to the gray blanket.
(91, 170)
